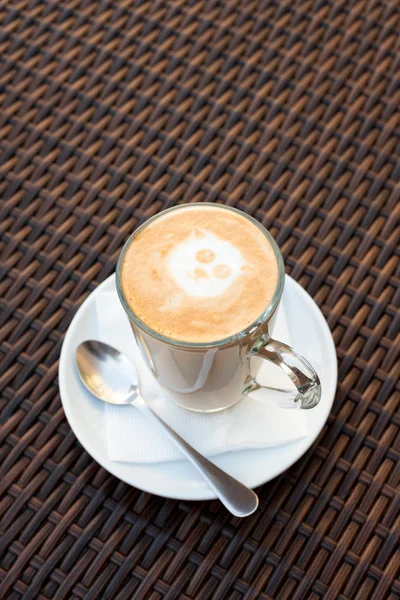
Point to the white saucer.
(310, 336)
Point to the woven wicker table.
(111, 112)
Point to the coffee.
(199, 273)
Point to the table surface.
(111, 112)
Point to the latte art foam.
(203, 265)
(199, 273)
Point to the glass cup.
(209, 377)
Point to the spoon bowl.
(107, 373)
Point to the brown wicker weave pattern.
(112, 111)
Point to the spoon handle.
(240, 500)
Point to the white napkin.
(132, 437)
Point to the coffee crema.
(199, 274)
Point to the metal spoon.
(110, 376)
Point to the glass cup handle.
(295, 366)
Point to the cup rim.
(264, 316)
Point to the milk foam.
(199, 273)
(204, 265)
